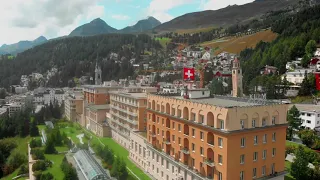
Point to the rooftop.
(132, 95)
(307, 107)
(89, 166)
(99, 107)
(225, 101)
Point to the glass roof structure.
(89, 167)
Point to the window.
(255, 140)
(201, 135)
(255, 156)
(243, 142)
(162, 133)
(193, 162)
(221, 124)
(264, 154)
(158, 131)
(242, 159)
(254, 123)
(193, 116)
(220, 176)
(274, 137)
(302, 114)
(158, 120)
(242, 124)
(254, 172)
(173, 111)
(308, 121)
(220, 159)
(162, 161)
(173, 138)
(242, 175)
(263, 170)
(201, 150)
(167, 164)
(220, 142)
(264, 122)
(161, 173)
(308, 114)
(173, 125)
(273, 152)
(179, 127)
(193, 132)
(272, 168)
(179, 112)
(273, 120)
(264, 138)
(193, 147)
(162, 122)
(172, 169)
(179, 140)
(201, 118)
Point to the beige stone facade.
(73, 108)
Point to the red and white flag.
(188, 74)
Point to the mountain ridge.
(21, 45)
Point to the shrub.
(35, 143)
(290, 149)
(47, 176)
(39, 166)
(16, 159)
(23, 169)
(37, 154)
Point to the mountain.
(21, 46)
(142, 25)
(98, 26)
(226, 16)
(95, 27)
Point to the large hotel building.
(198, 137)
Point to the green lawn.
(55, 170)
(72, 130)
(163, 41)
(62, 148)
(41, 127)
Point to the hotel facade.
(221, 138)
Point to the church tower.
(98, 72)
(237, 89)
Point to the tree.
(306, 88)
(34, 131)
(305, 61)
(3, 94)
(307, 137)
(216, 86)
(49, 148)
(294, 122)
(310, 48)
(46, 176)
(23, 169)
(16, 159)
(299, 168)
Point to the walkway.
(31, 162)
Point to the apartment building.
(222, 138)
(96, 100)
(138, 148)
(310, 115)
(128, 107)
(73, 107)
(14, 108)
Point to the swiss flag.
(188, 73)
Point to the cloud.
(26, 20)
(159, 8)
(120, 17)
(218, 4)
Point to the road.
(31, 162)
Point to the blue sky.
(27, 20)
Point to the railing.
(125, 119)
(185, 150)
(167, 141)
(209, 162)
(125, 102)
(124, 110)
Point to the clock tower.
(237, 88)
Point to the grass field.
(237, 44)
(197, 30)
(55, 170)
(163, 41)
(118, 150)
(72, 132)
(22, 146)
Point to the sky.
(29, 19)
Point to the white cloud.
(120, 17)
(159, 8)
(27, 20)
(218, 4)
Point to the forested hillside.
(76, 56)
(295, 32)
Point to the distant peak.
(41, 37)
(98, 20)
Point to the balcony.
(125, 102)
(153, 135)
(124, 110)
(125, 119)
(167, 141)
(185, 150)
(208, 162)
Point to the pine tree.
(49, 148)
(305, 89)
(299, 168)
(294, 122)
(34, 131)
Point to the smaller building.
(73, 108)
(3, 112)
(296, 77)
(268, 70)
(89, 167)
(138, 149)
(14, 108)
(310, 115)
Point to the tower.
(97, 72)
(237, 89)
